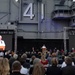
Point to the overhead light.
(73, 0)
(9, 23)
(16, 0)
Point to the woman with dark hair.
(54, 69)
(16, 67)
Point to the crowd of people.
(38, 63)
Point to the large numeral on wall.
(29, 11)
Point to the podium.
(2, 48)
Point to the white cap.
(43, 46)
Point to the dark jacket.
(53, 70)
(68, 70)
(31, 70)
(25, 63)
(16, 73)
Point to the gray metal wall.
(12, 11)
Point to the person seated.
(4, 66)
(24, 61)
(44, 61)
(53, 69)
(64, 63)
(36, 60)
(32, 59)
(68, 69)
(16, 67)
(38, 69)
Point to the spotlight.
(16, 0)
(73, 0)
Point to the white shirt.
(64, 64)
(2, 43)
(1, 54)
(24, 70)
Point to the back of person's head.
(68, 60)
(4, 66)
(1, 59)
(36, 60)
(38, 69)
(24, 56)
(72, 55)
(15, 56)
(33, 57)
(54, 54)
(16, 66)
(54, 61)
